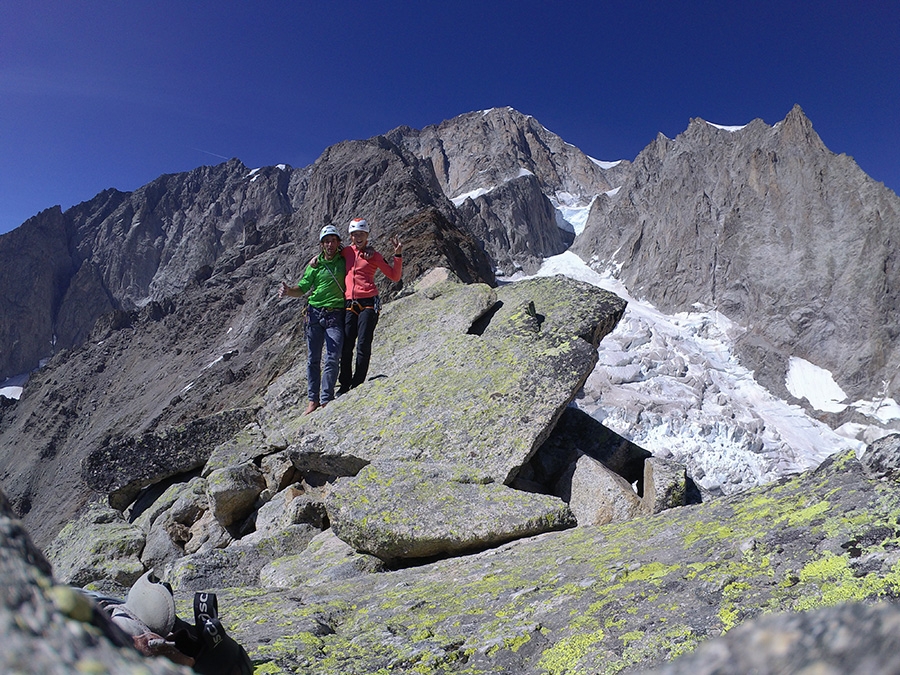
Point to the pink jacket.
(361, 272)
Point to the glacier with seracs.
(672, 385)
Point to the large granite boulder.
(238, 564)
(486, 394)
(99, 546)
(424, 509)
(122, 468)
(596, 494)
(233, 491)
(666, 485)
(325, 560)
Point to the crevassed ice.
(671, 384)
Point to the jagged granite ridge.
(768, 226)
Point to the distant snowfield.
(571, 210)
(12, 386)
(672, 385)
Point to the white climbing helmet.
(359, 225)
(329, 229)
(151, 602)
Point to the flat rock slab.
(325, 560)
(459, 379)
(418, 510)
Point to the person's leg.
(350, 329)
(334, 340)
(368, 318)
(315, 338)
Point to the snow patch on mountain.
(571, 211)
(12, 387)
(477, 192)
(816, 385)
(604, 165)
(724, 127)
(472, 194)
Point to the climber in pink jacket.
(362, 302)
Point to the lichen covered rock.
(617, 598)
(100, 545)
(325, 560)
(419, 510)
(486, 394)
(53, 629)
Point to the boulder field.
(457, 513)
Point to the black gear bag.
(213, 651)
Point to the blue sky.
(113, 94)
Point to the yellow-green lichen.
(563, 657)
(836, 582)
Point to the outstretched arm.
(395, 271)
(291, 291)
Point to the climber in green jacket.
(324, 316)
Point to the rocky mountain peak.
(797, 129)
(704, 216)
(509, 176)
(483, 149)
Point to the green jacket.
(326, 280)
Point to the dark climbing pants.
(359, 329)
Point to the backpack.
(213, 651)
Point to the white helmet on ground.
(329, 229)
(359, 225)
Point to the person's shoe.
(312, 406)
(341, 391)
